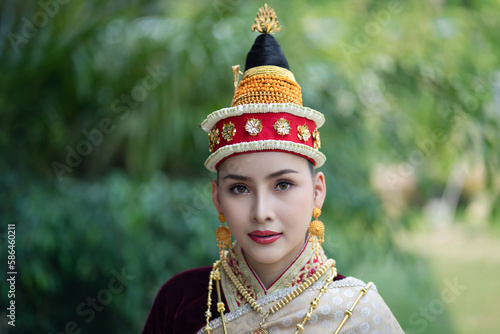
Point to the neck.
(268, 273)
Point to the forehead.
(263, 162)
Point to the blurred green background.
(101, 155)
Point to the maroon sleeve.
(181, 303)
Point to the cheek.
(297, 210)
(234, 211)
(229, 204)
(301, 199)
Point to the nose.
(263, 211)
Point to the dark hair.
(309, 163)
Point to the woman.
(275, 277)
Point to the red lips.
(264, 237)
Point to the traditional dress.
(181, 303)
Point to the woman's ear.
(215, 196)
(319, 189)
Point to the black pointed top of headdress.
(266, 50)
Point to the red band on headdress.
(268, 131)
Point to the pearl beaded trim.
(264, 145)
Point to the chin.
(266, 256)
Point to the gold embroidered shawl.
(370, 315)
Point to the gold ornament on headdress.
(253, 126)
(213, 139)
(228, 131)
(266, 21)
(316, 139)
(303, 132)
(236, 74)
(282, 126)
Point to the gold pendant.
(260, 330)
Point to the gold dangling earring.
(316, 231)
(223, 236)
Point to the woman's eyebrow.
(270, 176)
(236, 177)
(280, 173)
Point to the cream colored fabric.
(371, 315)
(299, 267)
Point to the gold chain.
(215, 275)
(208, 313)
(301, 288)
(348, 313)
(220, 304)
(314, 303)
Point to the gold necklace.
(280, 304)
(314, 303)
(215, 275)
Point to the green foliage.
(71, 237)
(411, 86)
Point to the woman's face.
(268, 199)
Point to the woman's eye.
(239, 189)
(283, 186)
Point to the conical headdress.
(266, 113)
